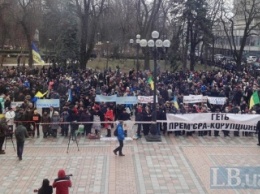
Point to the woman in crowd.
(55, 123)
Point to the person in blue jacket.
(120, 138)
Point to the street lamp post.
(131, 41)
(138, 36)
(107, 56)
(154, 43)
(50, 50)
(137, 41)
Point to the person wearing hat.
(120, 138)
(62, 183)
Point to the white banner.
(212, 121)
(16, 104)
(126, 100)
(194, 99)
(146, 99)
(47, 103)
(217, 100)
(101, 98)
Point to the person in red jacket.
(62, 183)
(109, 116)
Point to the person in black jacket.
(258, 130)
(124, 116)
(147, 117)
(1, 108)
(86, 116)
(3, 129)
(46, 187)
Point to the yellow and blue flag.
(150, 81)
(40, 95)
(175, 102)
(36, 55)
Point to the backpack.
(116, 132)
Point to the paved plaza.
(175, 165)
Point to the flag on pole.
(36, 55)
(254, 99)
(40, 95)
(150, 81)
(70, 96)
(175, 103)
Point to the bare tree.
(89, 12)
(244, 20)
(121, 24)
(27, 14)
(214, 12)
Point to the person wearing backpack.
(119, 132)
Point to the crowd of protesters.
(21, 84)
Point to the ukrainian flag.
(40, 95)
(36, 55)
(175, 102)
(150, 81)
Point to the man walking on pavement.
(20, 135)
(120, 138)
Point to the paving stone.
(176, 165)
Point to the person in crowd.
(62, 183)
(28, 123)
(20, 135)
(3, 129)
(120, 138)
(226, 132)
(36, 118)
(1, 108)
(73, 119)
(55, 123)
(236, 86)
(97, 114)
(109, 117)
(64, 122)
(139, 118)
(124, 116)
(86, 118)
(216, 132)
(10, 115)
(46, 120)
(46, 188)
(51, 111)
(147, 117)
(7, 103)
(258, 131)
